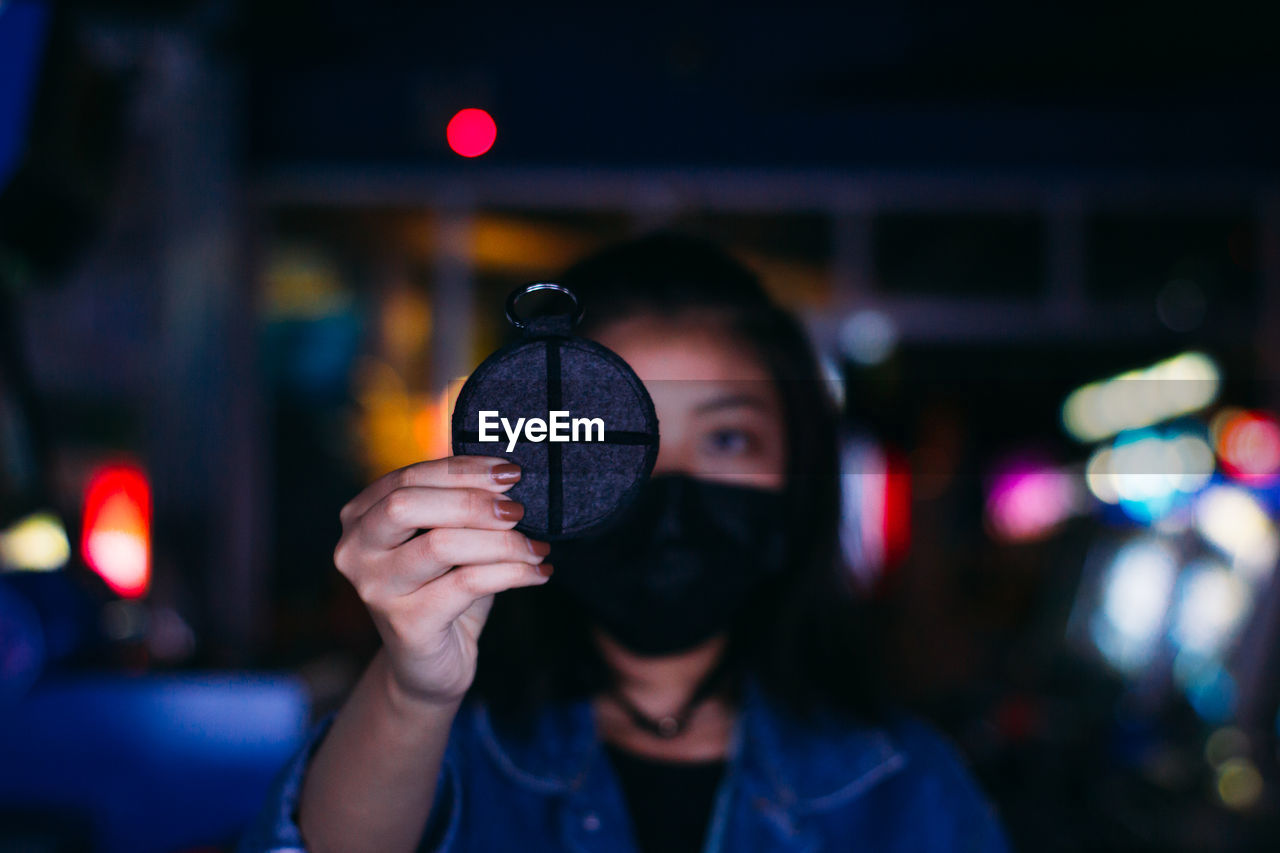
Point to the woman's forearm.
(372, 780)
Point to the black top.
(670, 801)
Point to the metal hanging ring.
(515, 320)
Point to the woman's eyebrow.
(732, 401)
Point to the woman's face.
(719, 411)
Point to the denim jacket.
(789, 787)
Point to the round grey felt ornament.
(570, 412)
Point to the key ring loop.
(536, 286)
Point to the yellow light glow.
(396, 426)
(1239, 783)
(406, 326)
(37, 543)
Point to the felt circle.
(569, 488)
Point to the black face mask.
(676, 568)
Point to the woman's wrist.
(372, 779)
(408, 706)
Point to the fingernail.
(545, 569)
(508, 510)
(507, 472)
(541, 549)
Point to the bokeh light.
(1027, 499)
(1137, 589)
(1249, 445)
(876, 488)
(1224, 744)
(1180, 305)
(116, 535)
(1235, 522)
(1209, 687)
(1212, 603)
(37, 543)
(1099, 476)
(1141, 398)
(471, 132)
(1239, 784)
(868, 337)
(1148, 473)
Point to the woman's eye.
(729, 441)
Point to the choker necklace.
(671, 725)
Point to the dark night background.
(237, 255)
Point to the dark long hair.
(805, 635)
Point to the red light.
(115, 538)
(897, 509)
(1249, 446)
(876, 527)
(471, 132)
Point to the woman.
(697, 678)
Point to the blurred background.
(245, 247)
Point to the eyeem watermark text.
(557, 427)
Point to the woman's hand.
(427, 547)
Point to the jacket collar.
(816, 763)
(808, 765)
